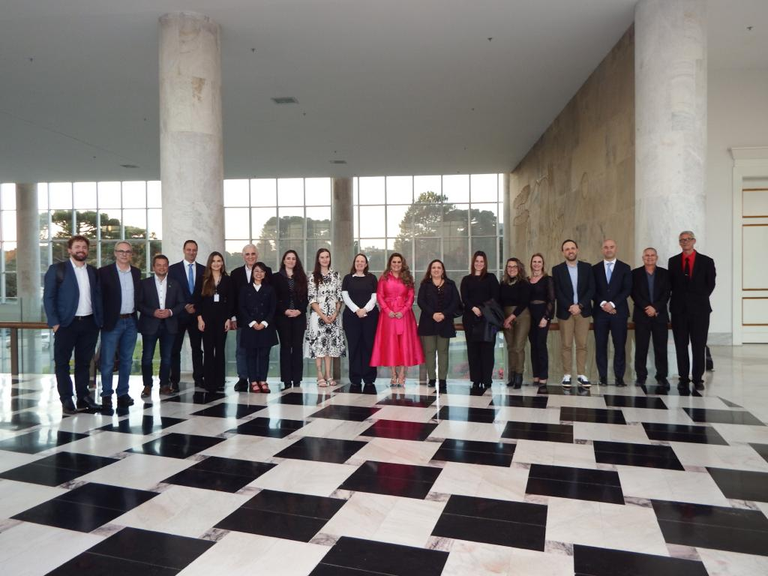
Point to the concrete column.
(342, 235)
(191, 150)
(28, 273)
(670, 122)
(509, 215)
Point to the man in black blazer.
(613, 284)
(119, 292)
(650, 293)
(161, 302)
(189, 275)
(73, 308)
(241, 276)
(692, 280)
(574, 289)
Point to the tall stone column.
(670, 122)
(28, 273)
(509, 215)
(342, 235)
(191, 150)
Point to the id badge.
(215, 297)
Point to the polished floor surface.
(372, 481)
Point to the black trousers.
(645, 329)
(291, 334)
(538, 339)
(480, 357)
(616, 325)
(80, 336)
(360, 334)
(693, 328)
(188, 325)
(258, 363)
(214, 367)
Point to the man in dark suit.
(119, 283)
(574, 289)
(613, 284)
(189, 275)
(73, 307)
(161, 302)
(650, 293)
(692, 280)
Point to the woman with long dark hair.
(358, 290)
(397, 342)
(514, 294)
(324, 339)
(438, 300)
(214, 309)
(477, 288)
(542, 307)
(291, 317)
(257, 303)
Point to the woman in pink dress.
(396, 344)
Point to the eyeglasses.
(687, 239)
(123, 251)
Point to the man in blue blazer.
(161, 302)
(189, 275)
(72, 302)
(574, 289)
(613, 285)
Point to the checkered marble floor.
(350, 481)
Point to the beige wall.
(578, 180)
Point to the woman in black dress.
(542, 307)
(214, 309)
(257, 311)
(291, 317)
(477, 288)
(360, 317)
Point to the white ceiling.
(390, 86)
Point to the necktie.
(191, 279)
(609, 272)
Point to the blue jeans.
(148, 352)
(123, 340)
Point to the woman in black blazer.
(257, 303)
(439, 300)
(214, 309)
(290, 286)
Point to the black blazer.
(239, 279)
(149, 301)
(283, 295)
(691, 295)
(427, 301)
(640, 296)
(257, 307)
(112, 294)
(564, 289)
(222, 310)
(60, 299)
(178, 272)
(617, 291)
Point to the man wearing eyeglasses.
(119, 292)
(692, 280)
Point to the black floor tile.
(412, 400)
(341, 412)
(299, 504)
(380, 558)
(470, 452)
(177, 445)
(491, 509)
(322, 449)
(575, 483)
(106, 496)
(400, 430)
(98, 565)
(598, 415)
(722, 416)
(393, 479)
(604, 562)
(683, 433)
(720, 528)
(361, 389)
(301, 399)
(270, 427)
(537, 431)
(57, 469)
(651, 402)
(39, 440)
(644, 455)
(192, 397)
(228, 410)
(464, 390)
(500, 400)
(741, 484)
(761, 449)
(142, 424)
(467, 414)
(729, 403)
(223, 474)
(16, 404)
(19, 420)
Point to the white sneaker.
(584, 381)
(566, 381)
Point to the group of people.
(322, 316)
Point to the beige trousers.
(578, 327)
(516, 337)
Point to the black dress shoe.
(106, 402)
(298, 384)
(175, 387)
(542, 389)
(432, 383)
(620, 382)
(663, 382)
(699, 385)
(639, 381)
(68, 407)
(684, 386)
(603, 381)
(87, 403)
(124, 401)
(442, 386)
(242, 385)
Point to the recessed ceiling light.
(285, 100)
(129, 165)
(338, 161)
